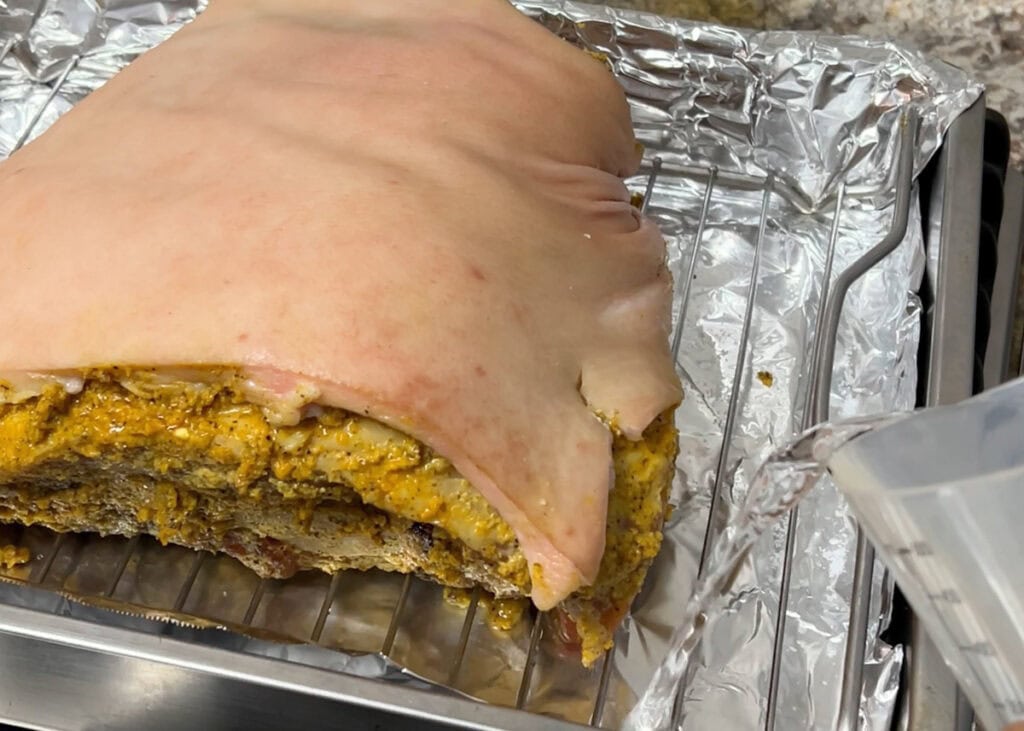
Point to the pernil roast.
(335, 284)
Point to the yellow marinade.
(196, 463)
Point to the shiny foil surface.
(812, 112)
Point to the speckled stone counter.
(986, 37)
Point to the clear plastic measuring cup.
(941, 495)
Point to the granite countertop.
(985, 37)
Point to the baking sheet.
(812, 111)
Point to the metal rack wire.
(818, 389)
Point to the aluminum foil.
(812, 111)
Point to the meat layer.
(198, 464)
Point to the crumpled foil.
(812, 111)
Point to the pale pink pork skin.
(411, 209)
